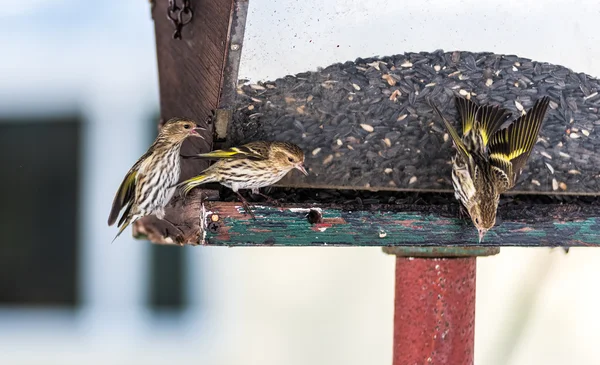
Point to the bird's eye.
(186, 126)
(291, 159)
(476, 220)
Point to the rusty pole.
(434, 312)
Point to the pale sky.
(64, 49)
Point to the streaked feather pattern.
(511, 147)
(251, 166)
(149, 184)
(489, 160)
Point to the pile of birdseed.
(368, 124)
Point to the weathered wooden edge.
(223, 115)
(187, 210)
(226, 224)
(235, 41)
(191, 80)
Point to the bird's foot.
(183, 195)
(270, 200)
(246, 205)
(249, 210)
(175, 233)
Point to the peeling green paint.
(289, 227)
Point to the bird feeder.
(379, 160)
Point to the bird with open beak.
(149, 185)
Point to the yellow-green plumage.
(148, 185)
(251, 166)
(123, 198)
(489, 160)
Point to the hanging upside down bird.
(489, 160)
(251, 166)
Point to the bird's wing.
(126, 192)
(485, 120)
(466, 111)
(488, 119)
(510, 147)
(124, 196)
(253, 151)
(460, 146)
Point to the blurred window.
(39, 199)
(167, 265)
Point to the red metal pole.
(434, 311)
(434, 320)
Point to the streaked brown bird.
(149, 184)
(489, 160)
(251, 166)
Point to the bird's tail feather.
(125, 221)
(126, 215)
(191, 183)
(122, 228)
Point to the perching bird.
(251, 166)
(149, 184)
(489, 160)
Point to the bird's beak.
(301, 168)
(194, 132)
(482, 233)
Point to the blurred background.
(79, 104)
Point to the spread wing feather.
(510, 147)
(460, 146)
(467, 110)
(488, 120)
(485, 120)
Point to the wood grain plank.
(540, 225)
(190, 78)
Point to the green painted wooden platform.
(224, 223)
